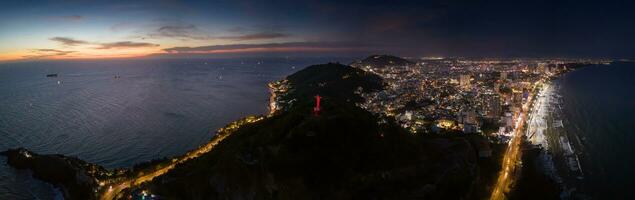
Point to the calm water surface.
(157, 108)
(599, 102)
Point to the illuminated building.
(464, 81)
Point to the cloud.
(43, 53)
(289, 46)
(186, 31)
(125, 44)
(179, 31)
(255, 36)
(68, 41)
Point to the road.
(511, 160)
(115, 188)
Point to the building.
(517, 98)
(493, 106)
(464, 81)
(467, 117)
(470, 128)
(509, 120)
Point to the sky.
(74, 29)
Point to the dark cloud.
(184, 31)
(112, 45)
(179, 31)
(125, 44)
(43, 53)
(68, 41)
(255, 36)
(296, 45)
(260, 28)
(487, 28)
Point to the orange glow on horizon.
(91, 53)
(87, 53)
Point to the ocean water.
(157, 108)
(599, 102)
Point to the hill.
(341, 154)
(378, 61)
(344, 153)
(74, 177)
(333, 81)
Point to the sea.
(599, 103)
(116, 113)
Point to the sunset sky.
(99, 29)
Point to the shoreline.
(568, 163)
(562, 151)
(110, 183)
(99, 183)
(116, 181)
(578, 186)
(540, 122)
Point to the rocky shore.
(75, 178)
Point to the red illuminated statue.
(316, 109)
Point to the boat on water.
(51, 75)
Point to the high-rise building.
(503, 76)
(464, 81)
(467, 117)
(517, 98)
(493, 108)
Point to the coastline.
(96, 182)
(561, 150)
(109, 183)
(123, 177)
(133, 120)
(546, 155)
(570, 151)
(598, 112)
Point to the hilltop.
(376, 61)
(333, 81)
